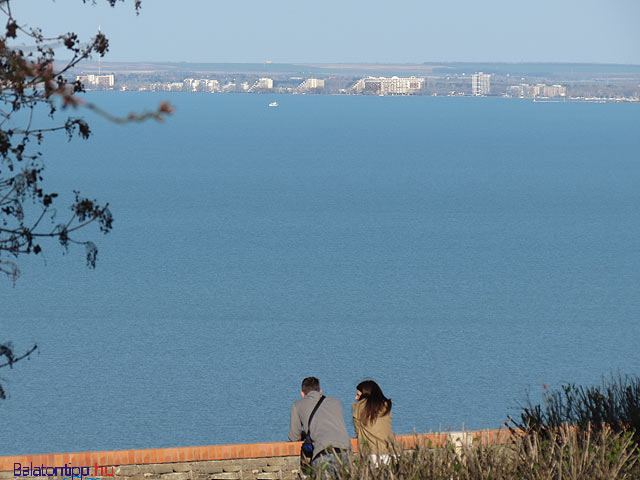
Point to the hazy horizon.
(498, 31)
(305, 62)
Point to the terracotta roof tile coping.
(218, 452)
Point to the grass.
(575, 433)
(615, 405)
(573, 454)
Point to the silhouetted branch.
(7, 352)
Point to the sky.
(351, 31)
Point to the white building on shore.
(541, 90)
(201, 85)
(262, 84)
(97, 81)
(389, 86)
(311, 84)
(480, 84)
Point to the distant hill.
(548, 70)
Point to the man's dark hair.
(310, 384)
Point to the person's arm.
(357, 424)
(295, 426)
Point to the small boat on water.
(273, 104)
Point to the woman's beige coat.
(375, 438)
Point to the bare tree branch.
(30, 79)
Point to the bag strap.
(313, 412)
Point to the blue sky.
(409, 31)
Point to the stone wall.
(258, 461)
(271, 468)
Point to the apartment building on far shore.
(541, 90)
(388, 86)
(97, 81)
(480, 84)
(262, 84)
(311, 84)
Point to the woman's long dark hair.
(377, 405)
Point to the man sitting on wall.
(327, 430)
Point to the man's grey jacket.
(327, 427)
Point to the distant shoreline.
(539, 81)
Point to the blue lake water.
(461, 252)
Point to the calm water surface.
(461, 252)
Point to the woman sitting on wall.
(372, 422)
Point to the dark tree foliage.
(6, 351)
(33, 81)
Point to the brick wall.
(257, 461)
